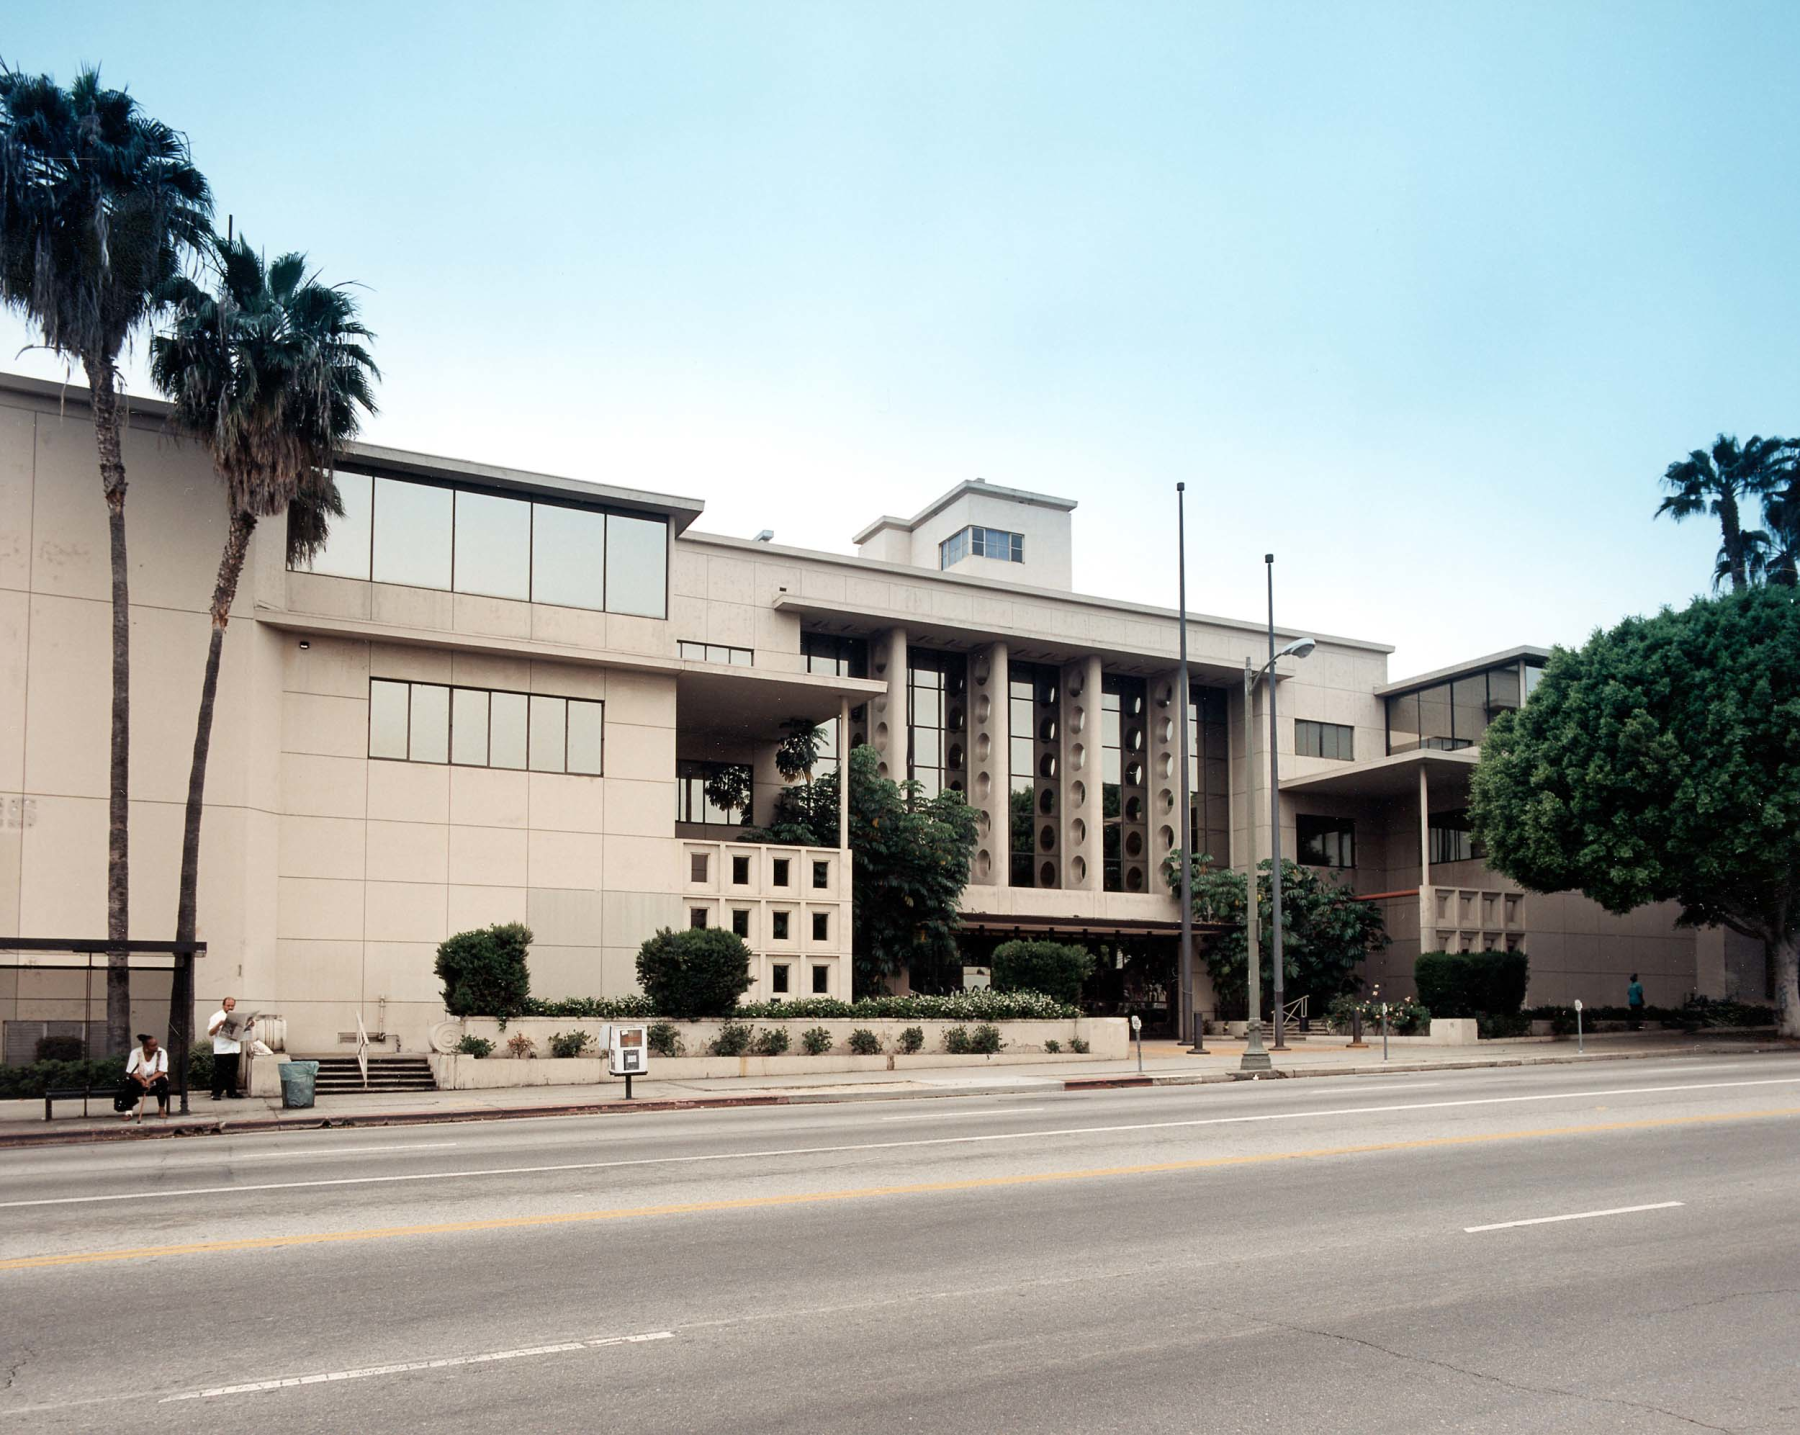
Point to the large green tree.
(1326, 931)
(1722, 483)
(269, 370)
(1661, 762)
(910, 856)
(100, 205)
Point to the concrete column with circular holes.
(989, 783)
(1161, 778)
(887, 711)
(1080, 808)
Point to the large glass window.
(1449, 837)
(346, 550)
(568, 556)
(1324, 739)
(474, 727)
(637, 565)
(429, 536)
(834, 655)
(1456, 714)
(936, 728)
(507, 726)
(693, 805)
(413, 526)
(1123, 785)
(1034, 746)
(1209, 773)
(387, 718)
(493, 546)
(978, 542)
(715, 653)
(1326, 841)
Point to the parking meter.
(1137, 1032)
(627, 1053)
(1580, 1044)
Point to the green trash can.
(297, 1079)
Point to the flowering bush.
(1406, 1017)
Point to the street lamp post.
(1189, 1019)
(1256, 1058)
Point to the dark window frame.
(1328, 842)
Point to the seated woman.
(146, 1074)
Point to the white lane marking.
(891, 1145)
(289, 1382)
(942, 1115)
(1575, 1216)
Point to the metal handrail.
(1296, 1012)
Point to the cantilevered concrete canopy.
(1395, 776)
(752, 703)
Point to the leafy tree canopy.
(911, 862)
(1661, 761)
(1326, 930)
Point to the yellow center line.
(808, 1198)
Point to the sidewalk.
(1164, 1064)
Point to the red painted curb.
(1098, 1083)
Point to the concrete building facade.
(501, 696)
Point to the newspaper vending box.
(627, 1052)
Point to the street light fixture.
(1256, 1057)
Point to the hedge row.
(1465, 984)
(979, 1005)
(102, 1073)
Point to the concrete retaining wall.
(1108, 1039)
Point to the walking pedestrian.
(146, 1074)
(1634, 1000)
(224, 1030)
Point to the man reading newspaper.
(229, 1031)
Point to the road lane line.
(851, 1147)
(1576, 1216)
(334, 1151)
(952, 1115)
(290, 1382)
(813, 1198)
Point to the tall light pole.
(1274, 823)
(1256, 1058)
(1188, 1020)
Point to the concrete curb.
(325, 1121)
(321, 1121)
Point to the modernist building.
(498, 696)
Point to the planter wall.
(1108, 1037)
(472, 1073)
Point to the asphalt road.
(1289, 1254)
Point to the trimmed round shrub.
(815, 1041)
(770, 1041)
(912, 1040)
(733, 1040)
(484, 972)
(864, 1042)
(700, 972)
(1056, 969)
(472, 1045)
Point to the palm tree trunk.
(1733, 534)
(107, 430)
(181, 999)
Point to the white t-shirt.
(153, 1067)
(222, 1044)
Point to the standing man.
(1634, 999)
(224, 1032)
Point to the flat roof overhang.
(152, 415)
(991, 922)
(850, 618)
(1395, 776)
(744, 703)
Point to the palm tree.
(99, 206)
(1717, 483)
(1781, 512)
(269, 374)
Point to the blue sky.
(1422, 298)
